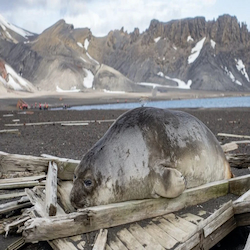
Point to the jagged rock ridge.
(187, 53)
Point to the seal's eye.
(74, 177)
(87, 183)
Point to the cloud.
(103, 16)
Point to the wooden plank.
(26, 184)
(146, 240)
(9, 131)
(75, 124)
(15, 205)
(129, 240)
(239, 185)
(244, 197)
(192, 218)
(55, 122)
(186, 226)
(51, 190)
(190, 243)
(217, 222)
(219, 234)
(116, 244)
(160, 236)
(241, 207)
(215, 215)
(95, 218)
(66, 167)
(22, 163)
(229, 147)
(23, 179)
(11, 195)
(235, 136)
(239, 160)
(64, 243)
(17, 244)
(101, 240)
(175, 232)
(242, 219)
(108, 247)
(247, 246)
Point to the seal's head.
(83, 186)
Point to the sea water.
(223, 102)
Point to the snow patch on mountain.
(16, 82)
(73, 89)
(80, 44)
(157, 39)
(213, 43)
(230, 74)
(88, 80)
(86, 44)
(5, 24)
(241, 67)
(181, 84)
(195, 52)
(189, 38)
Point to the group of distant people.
(41, 106)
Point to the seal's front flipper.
(169, 182)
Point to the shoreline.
(58, 99)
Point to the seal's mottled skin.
(148, 152)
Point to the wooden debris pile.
(41, 187)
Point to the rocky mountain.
(189, 53)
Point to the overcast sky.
(101, 16)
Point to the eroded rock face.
(3, 72)
(188, 53)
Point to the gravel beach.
(74, 141)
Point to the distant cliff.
(187, 53)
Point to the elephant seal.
(148, 153)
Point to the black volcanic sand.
(74, 141)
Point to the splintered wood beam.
(22, 163)
(66, 167)
(12, 163)
(15, 205)
(51, 189)
(95, 218)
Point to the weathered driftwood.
(235, 136)
(14, 205)
(101, 240)
(95, 218)
(238, 160)
(5, 221)
(239, 185)
(23, 179)
(229, 146)
(12, 163)
(22, 163)
(51, 190)
(16, 223)
(7, 131)
(66, 167)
